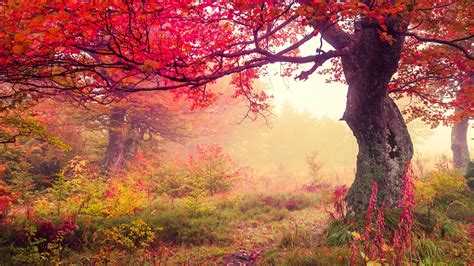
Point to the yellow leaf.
(373, 263)
(364, 257)
(355, 235)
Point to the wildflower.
(402, 237)
(372, 207)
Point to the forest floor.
(240, 230)
(296, 226)
(252, 238)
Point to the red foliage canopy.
(98, 50)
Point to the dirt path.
(253, 239)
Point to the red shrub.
(340, 208)
(293, 205)
(50, 231)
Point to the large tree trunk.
(115, 153)
(385, 146)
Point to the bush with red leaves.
(340, 207)
(65, 230)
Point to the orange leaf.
(19, 37)
(18, 49)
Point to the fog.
(304, 118)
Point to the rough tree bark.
(385, 145)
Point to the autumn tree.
(447, 88)
(118, 131)
(96, 51)
(437, 79)
(140, 120)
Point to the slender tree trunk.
(459, 131)
(115, 153)
(385, 146)
(459, 146)
(459, 143)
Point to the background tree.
(117, 132)
(142, 119)
(439, 86)
(462, 114)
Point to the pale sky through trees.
(323, 99)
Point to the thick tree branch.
(337, 38)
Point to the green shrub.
(210, 171)
(184, 226)
(76, 189)
(170, 179)
(30, 251)
(439, 186)
(426, 251)
(338, 233)
(446, 193)
(130, 236)
(449, 229)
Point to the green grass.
(286, 228)
(338, 234)
(203, 231)
(427, 251)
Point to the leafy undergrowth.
(433, 228)
(441, 232)
(169, 231)
(86, 221)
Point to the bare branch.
(451, 43)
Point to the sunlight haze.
(323, 99)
